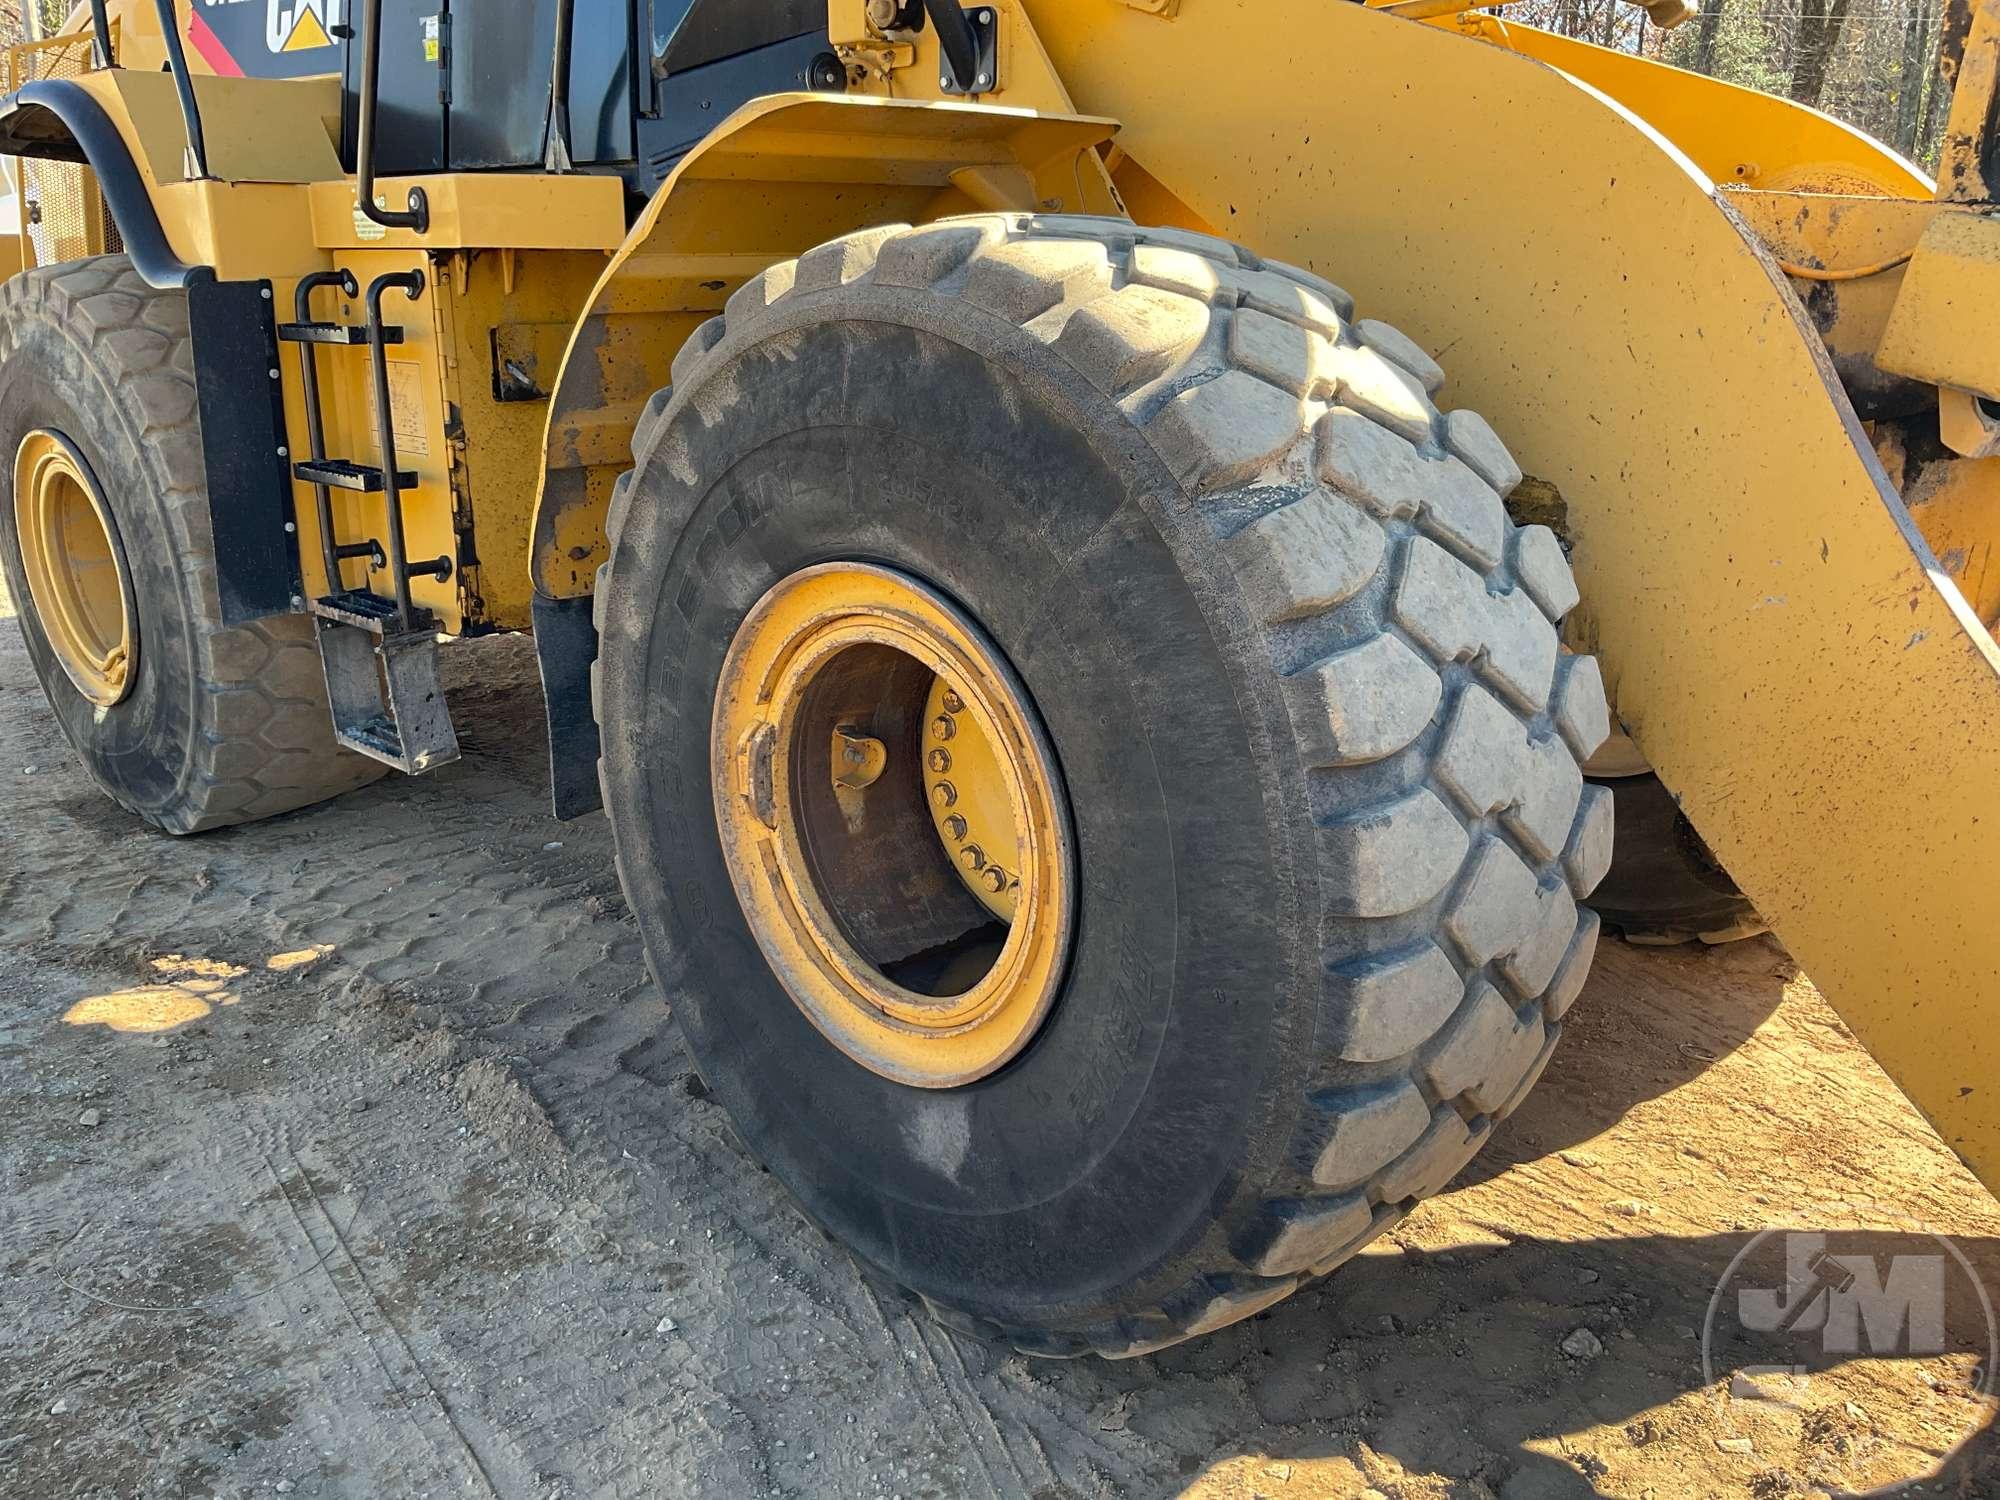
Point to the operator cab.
(646, 81)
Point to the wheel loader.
(1107, 750)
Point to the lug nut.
(972, 857)
(939, 760)
(944, 794)
(994, 879)
(943, 727)
(953, 704)
(954, 827)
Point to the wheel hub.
(76, 571)
(893, 822)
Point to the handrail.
(312, 281)
(177, 63)
(100, 26)
(418, 215)
(401, 569)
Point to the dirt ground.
(355, 1154)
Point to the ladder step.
(340, 474)
(382, 683)
(375, 738)
(362, 610)
(335, 333)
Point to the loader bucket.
(1779, 638)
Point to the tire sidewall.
(141, 748)
(868, 424)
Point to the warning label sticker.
(406, 409)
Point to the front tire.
(213, 725)
(1301, 675)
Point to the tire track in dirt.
(571, 1000)
(458, 1465)
(536, 1184)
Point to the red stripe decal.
(209, 45)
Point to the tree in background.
(1872, 63)
(1819, 34)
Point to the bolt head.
(283, 451)
(954, 827)
(943, 727)
(953, 704)
(972, 857)
(994, 879)
(944, 794)
(939, 760)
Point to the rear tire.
(1301, 675)
(220, 725)
(1664, 887)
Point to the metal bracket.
(984, 23)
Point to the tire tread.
(263, 736)
(1370, 510)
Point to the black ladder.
(379, 654)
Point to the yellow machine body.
(786, 173)
(1784, 644)
(1661, 289)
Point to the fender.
(232, 328)
(57, 120)
(784, 173)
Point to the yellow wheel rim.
(893, 822)
(75, 567)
